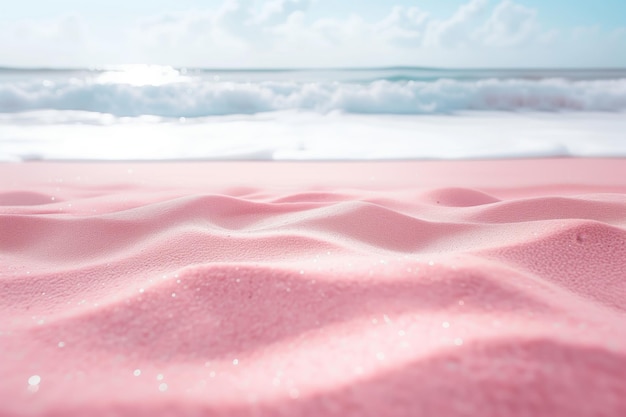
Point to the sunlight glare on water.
(142, 75)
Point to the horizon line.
(121, 67)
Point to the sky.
(313, 33)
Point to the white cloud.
(234, 16)
(405, 25)
(65, 41)
(285, 33)
(460, 29)
(277, 11)
(67, 29)
(509, 24)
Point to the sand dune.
(338, 289)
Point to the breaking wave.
(199, 97)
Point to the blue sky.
(292, 33)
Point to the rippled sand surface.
(466, 288)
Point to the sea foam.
(152, 112)
(198, 97)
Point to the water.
(168, 92)
(155, 112)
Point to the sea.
(147, 112)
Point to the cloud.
(509, 24)
(460, 29)
(405, 25)
(234, 24)
(66, 29)
(234, 16)
(286, 33)
(64, 41)
(278, 11)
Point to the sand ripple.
(134, 299)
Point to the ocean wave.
(199, 97)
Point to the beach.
(313, 208)
(442, 288)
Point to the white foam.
(199, 97)
(296, 135)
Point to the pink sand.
(313, 289)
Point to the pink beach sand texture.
(313, 289)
